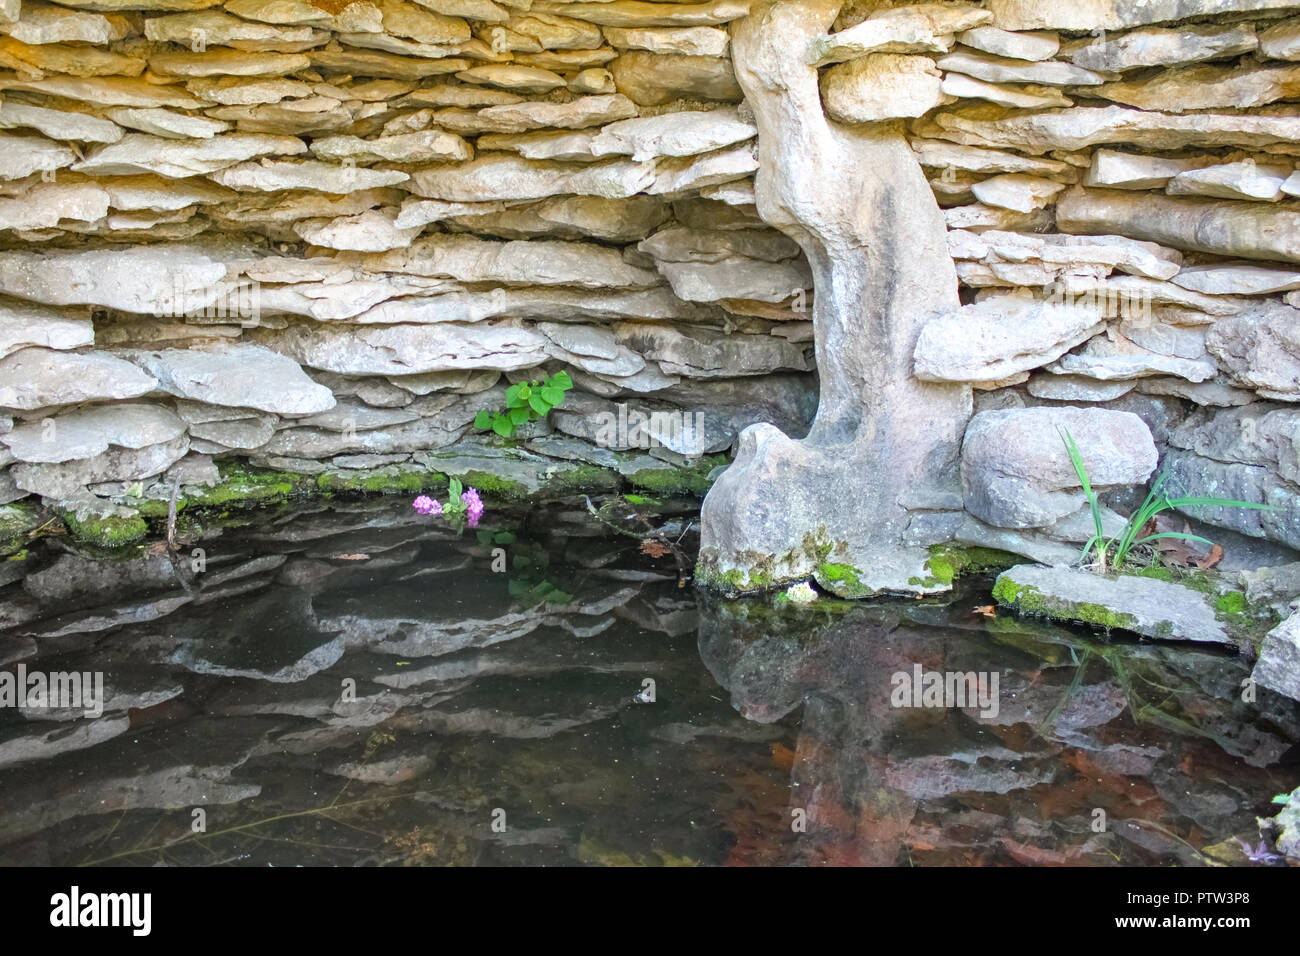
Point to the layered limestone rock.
(321, 240)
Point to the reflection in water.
(1099, 753)
(357, 686)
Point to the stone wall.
(320, 237)
(1118, 180)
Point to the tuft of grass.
(1116, 550)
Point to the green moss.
(106, 531)
(1027, 599)
(842, 580)
(494, 485)
(1006, 592)
(1157, 572)
(947, 562)
(734, 581)
(17, 521)
(582, 478)
(382, 481)
(692, 480)
(1231, 603)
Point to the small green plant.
(1115, 551)
(525, 402)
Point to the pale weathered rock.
(237, 375)
(1248, 230)
(227, 63)
(1205, 87)
(1075, 388)
(1016, 472)
(45, 205)
(58, 124)
(1016, 191)
(1000, 337)
(520, 79)
(20, 156)
(467, 259)
(501, 176)
(1107, 364)
(978, 216)
(998, 69)
(158, 280)
(1114, 14)
(211, 27)
(569, 217)
(881, 86)
(1237, 278)
(142, 153)
(1056, 255)
(1281, 41)
(23, 324)
(1158, 46)
(1083, 126)
(1213, 393)
(1147, 606)
(1242, 180)
(46, 23)
(673, 134)
(579, 114)
(424, 146)
(1278, 667)
(270, 175)
(649, 79)
(1116, 170)
(87, 432)
(937, 153)
(1015, 97)
(691, 41)
(35, 378)
(705, 354)
(1017, 46)
(371, 231)
(923, 28)
(244, 91)
(631, 13)
(561, 145)
(1260, 349)
(407, 349)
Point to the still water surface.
(357, 686)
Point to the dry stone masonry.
(318, 237)
(315, 238)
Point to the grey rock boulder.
(1016, 472)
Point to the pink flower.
(426, 505)
(473, 506)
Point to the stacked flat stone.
(320, 237)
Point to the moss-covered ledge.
(1158, 603)
(502, 471)
(833, 574)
